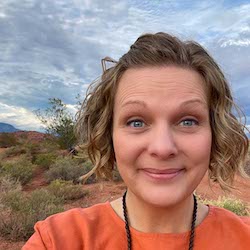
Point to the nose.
(162, 143)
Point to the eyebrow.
(188, 102)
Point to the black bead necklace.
(129, 240)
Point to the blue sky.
(54, 48)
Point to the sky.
(53, 48)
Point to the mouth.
(162, 174)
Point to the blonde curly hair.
(94, 119)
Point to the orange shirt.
(100, 228)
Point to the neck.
(147, 218)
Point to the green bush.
(7, 184)
(45, 160)
(46, 148)
(234, 205)
(50, 144)
(58, 122)
(7, 140)
(19, 213)
(66, 169)
(66, 190)
(33, 149)
(14, 151)
(21, 169)
(13, 199)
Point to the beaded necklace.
(129, 239)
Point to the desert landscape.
(45, 173)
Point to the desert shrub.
(66, 169)
(44, 203)
(22, 138)
(21, 169)
(234, 205)
(13, 199)
(47, 148)
(14, 151)
(116, 175)
(50, 144)
(33, 149)
(45, 160)
(8, 184)
(88, 165)
(19, 212)
(66, 190)
(7, 140)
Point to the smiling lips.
(162, 174)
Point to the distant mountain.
(7, 128)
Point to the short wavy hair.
(94, 119)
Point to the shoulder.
(223, 229)
(71, 225)
(78, 216)
(227, 214)
(227, 218)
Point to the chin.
(162, 198)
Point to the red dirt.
(107, 191)
(31, 136)
(38, 181)
(214, 191)
(2, 150)
(8, 245)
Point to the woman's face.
(161, 133)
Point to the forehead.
(167, 82)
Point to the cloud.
(20, 117)
(54, 48)
(236, 42)
(25, 119)
(72, 108)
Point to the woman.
(163, 115)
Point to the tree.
(58, 122)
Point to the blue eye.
(189, 122)
(136, 123)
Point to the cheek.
(122, 148)
(199, 149)
(126, 150)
